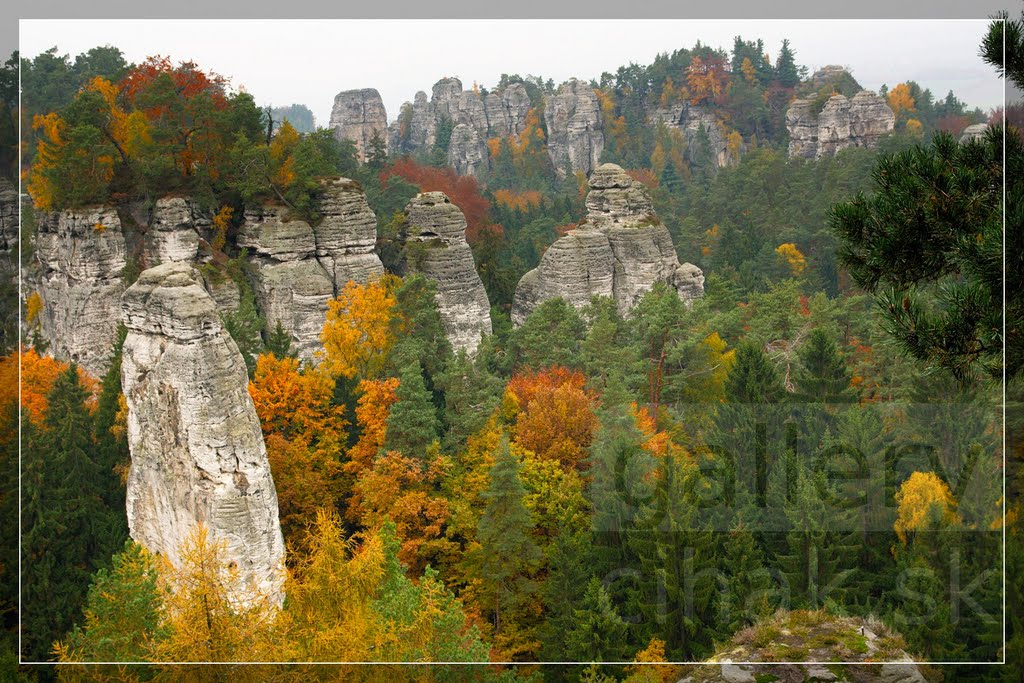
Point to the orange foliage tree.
(463, 191)
(304, 434)
(554, 414)
(706, 78)
(900, 99)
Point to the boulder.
(196, 445)
(440, 228)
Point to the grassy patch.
(764, 634)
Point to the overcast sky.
(308, 62)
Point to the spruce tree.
(678, 588)
(551, 335)
(68, 531)
(822, 376)
(597, 632)
(785, 66)
(607, 353)
(508, 555)
(471, 393)
(279, 342)
(753, 378)
(747, 596)
(569, 571)
(111, 452)
(412, 423)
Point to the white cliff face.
(197, 449)
(620, 251)
(298, 268)
(358, 115)
(440, 227)
(292, 288)
(860, 121)
(690, 120)
(172, 232)
(575, 133)
(81, 255)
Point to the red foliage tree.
(462, 190)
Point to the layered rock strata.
(80, 256)
(172, 234)
(439, 228)
(196, 445)
(298, 268)
(575, 134)
(860, 121)
(358, 115)
(697, 124)
(620, 250)
(975, 131)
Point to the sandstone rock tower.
(620, 250)
(358, 115)
(844, 122)
(196, 445)
(440, 227)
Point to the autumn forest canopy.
(820, 433)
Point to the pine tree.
(597, 633)
(122, 615)
(412, 422)
(747, 596)
(569, 572)
(823, 376)
(550, 336)
(508, 556)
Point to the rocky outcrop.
(860, 121)
(620, 250)
(697, 124)
(473, 118)
(346, 234)
(292, 288)
(358, 115)
(297, 268)
(80, 255)
(438, 228)
(197, 450)
(575, 134)
(172, 234)
(975, 131)
(9, 224)
(467, 151)
(753, 653)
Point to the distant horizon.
(303, 62)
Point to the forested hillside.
(820, 433)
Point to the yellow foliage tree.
(651, 659)
(916, 497)
(900, 99)
(357, 336)
(793, 257)
(914, 127)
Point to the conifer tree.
(68, 531)
(597, 633)
(471, 393)
(569, 572)
(279, 342)
(754, 378)
(111, 448)
(678, 590)
(746, 597)
(785, 66)
(508, 555)
(412, 423)
(823, 376)
(550, 336)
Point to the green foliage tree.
(551, 335)
(412, 423)
(597, 633)
(508, 556)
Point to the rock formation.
(575, 133)
(690, 119)
(467, 151)
(292, 288)
(811, 637)
(196, 445)
(440, 228)
(172, 232)
(346, 234)
(358, 115)
(9, 225)
(298, 268)
(975, 131)
(844, 122)
(80, 256)
(620, 250)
